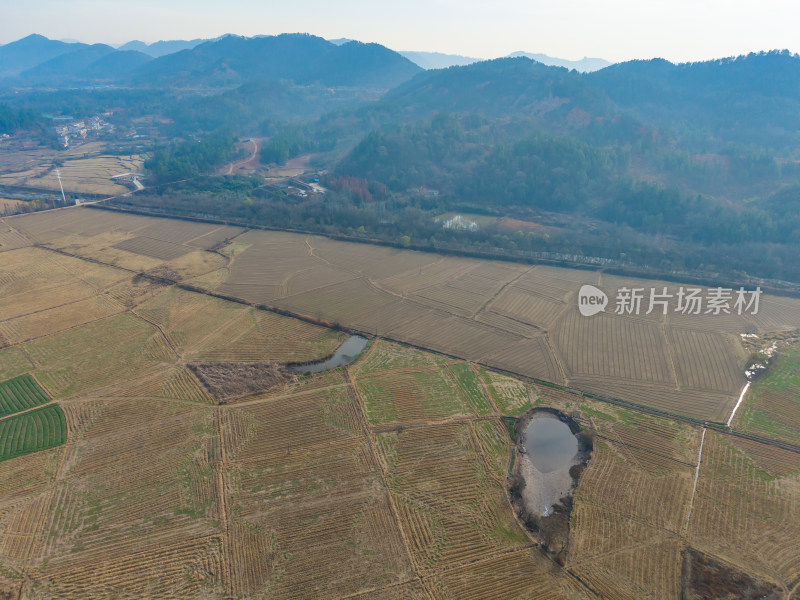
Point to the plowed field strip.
(640, 449)
(375, 455)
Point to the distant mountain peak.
(299, 57)
(584, 65)
(438, 60)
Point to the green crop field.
(20, 393)
(430, 393)
(36, 430)
(471, 387)
(772, 406)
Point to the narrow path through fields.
(735, 408)
(384, 483)
(696, 477)
(27, 410)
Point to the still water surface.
(345, 354)
(550, 450)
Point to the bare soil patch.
(707, 578)
(509, 224)
(228, 380)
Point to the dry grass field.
(518, 318)
(746, 506)
(85, 169)
(382, 479)
(10, 206)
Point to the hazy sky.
(613, 29)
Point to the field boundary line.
(632, 271)
(485, 389)
(483, 559)
(311, 251)
(611, 509)
(407, 370)
(459, 420)
(666, 536)
(41, 310)
(35, 338)
(510, 318)
(283, 396)
(172, 347)
(378, 589)
(500, 291)
(27, 410)
(696, 479)
(223, 506)
(92, 394)
(201, 341)
(18, 231)
(670, 352)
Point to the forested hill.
(29, 52)
(499, 88)
(753, 99)
(299, 58)
(691, 165)
(687, 166)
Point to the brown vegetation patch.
(707, 578)
(226, 380)
(508, 224)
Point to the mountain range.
(230, 60)
(162, 47)
(438, 60)
(38, 61)
(584, 65)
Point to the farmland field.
(745, 509)
(518, 318)
(81, 172)
(386, 478)
(35, 430)
(772, 405)
(20, 394)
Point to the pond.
(550, 449)
(344, 355)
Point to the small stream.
(344, 355)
